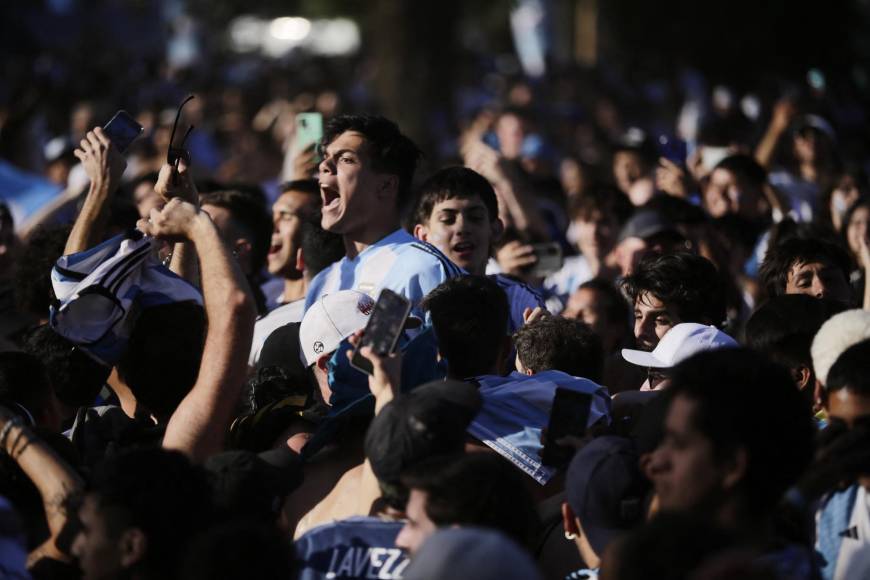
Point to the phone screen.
(122, 129)
(568, 416)
(549, 259)
(383, 328)
(309, 130)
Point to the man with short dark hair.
(466, 490)
(673, 288)
(245, 228)
(139, 515)
(723, 459)
(561, 344)
(365, 178)
(298, 202)
(811, 266)
(470, 317)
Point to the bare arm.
(104, 165)
(198, 425)
(171, 183)
(55, 480)
(783, 112)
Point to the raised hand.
(103, 163)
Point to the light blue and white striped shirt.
(398, 261)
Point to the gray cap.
(647, 223)
(471, 553)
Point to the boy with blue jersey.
(457, 212)
(365, 177)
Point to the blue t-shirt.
(358, 547)
(520, 296)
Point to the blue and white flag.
(101, 291)
(515, 409)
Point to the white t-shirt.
(854, 558)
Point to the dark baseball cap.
(605, 489)
(426, 421)
(645, 224)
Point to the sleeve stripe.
(451, 269)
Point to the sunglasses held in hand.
(176, 154)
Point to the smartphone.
(549, 258)
(383, 328)
(122, 129)
(672, 149)
(568, 416)
(309, 129)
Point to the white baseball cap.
(330, 320)
(680, 342)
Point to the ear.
(421, 232)
(569, 520)
(735, 469)
(300, 260)
(497, 229)
(803, 376)
(133, 545)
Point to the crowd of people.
(178, 399)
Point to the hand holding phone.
(568, 417)
(383, 328)
(549, 259)
(122, 129)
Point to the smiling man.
(365, 179)
(670, 289)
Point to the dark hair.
(746, 170)
(390, 151)
(240, 550)
(470, 318)
(792, 251)
(613, 303)
(451, 183)
(605, 200)
(161, 362)
(850, 370)
(23, 380)
(76, 377)
(250, 214)
(783, 328)
(159, 492)
(744, 401)
(476, 489)
(685, 282)
(33, 291)
(562, 344)
(320, 248)
(311, 186)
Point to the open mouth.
(330, 197)
(463, 248)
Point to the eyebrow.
(339, 152)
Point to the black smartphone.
(122, 129)
(549, 258)
(383, 328)
(568, 416)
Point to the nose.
(655, 463)
(326, 166)
(643, 328)
(820, 289)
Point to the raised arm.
(783, 113)
(176, 182)
(104, 165)
(55, 480)
(198, 426)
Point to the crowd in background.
(177, 319)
